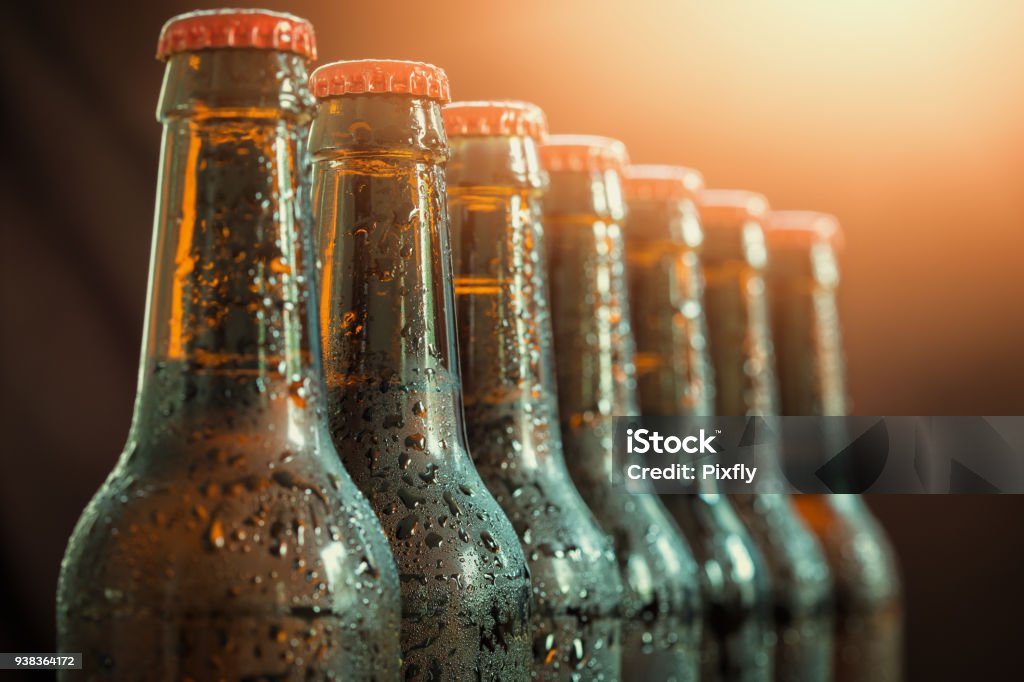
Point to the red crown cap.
(802, 229)
(380, 76)
(583, 153)
(718, 206)
(235, 28)
(662, 183)
(497, 119)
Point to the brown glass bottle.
(802, 279)
(396, 413)
(663, 236)
(229, 543)
(741, 351)
(596, 381)
(495, 184)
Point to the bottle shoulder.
(860, 556)
(446, 531)
(226, 540)
(733, 570)
(793, 557)
(571, 559)
(655, 560)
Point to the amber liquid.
(228, 543)
(595, 371)
(394, 388)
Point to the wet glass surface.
(504, 326)
(676, 378)
(741, 351)
(394, 390)
(229, 542)
(596, 380)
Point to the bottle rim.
(731, 206)
(657, 182)
(803, 229)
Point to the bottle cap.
(583, 153)
(718, 206)
(661, 183)
(228, 28)
(482, 119)
(802, 229)
(380, 76)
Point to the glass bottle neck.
(802, 286)
(495, 164)
(735, 306)
(231, 312)
(379, 202)
(674, 375)
(581, 197)
(590, 314)
(583, 213)
(494, 189)
(664, 223)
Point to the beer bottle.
(596, 380)
(663, 238)
(229, 542)
(504, 329)
(802, 278)
(741, 352)
(396, 413)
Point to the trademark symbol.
(719, 431)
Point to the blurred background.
(904, 118)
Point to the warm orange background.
(903, 117)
